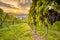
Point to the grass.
(53, 31)
(22, 31)
(16, 32)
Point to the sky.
(15, 6)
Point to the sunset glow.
(15, 11)
(15, 6)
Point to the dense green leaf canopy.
(42, 7)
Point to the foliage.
(8, 19)
(40, 8)
(19, 31)
(1, 10)
(39, 14)
(14, 28)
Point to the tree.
(1, 10)
(44, 12)
(2, 17)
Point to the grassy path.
(24, 31)
(36, 36)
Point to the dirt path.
(35, 35)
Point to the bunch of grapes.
(52, 16)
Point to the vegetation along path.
(36, 36)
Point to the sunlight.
(15, 11)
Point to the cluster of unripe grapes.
(52, 16)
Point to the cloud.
(7, 5)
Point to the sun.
(15, 11)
